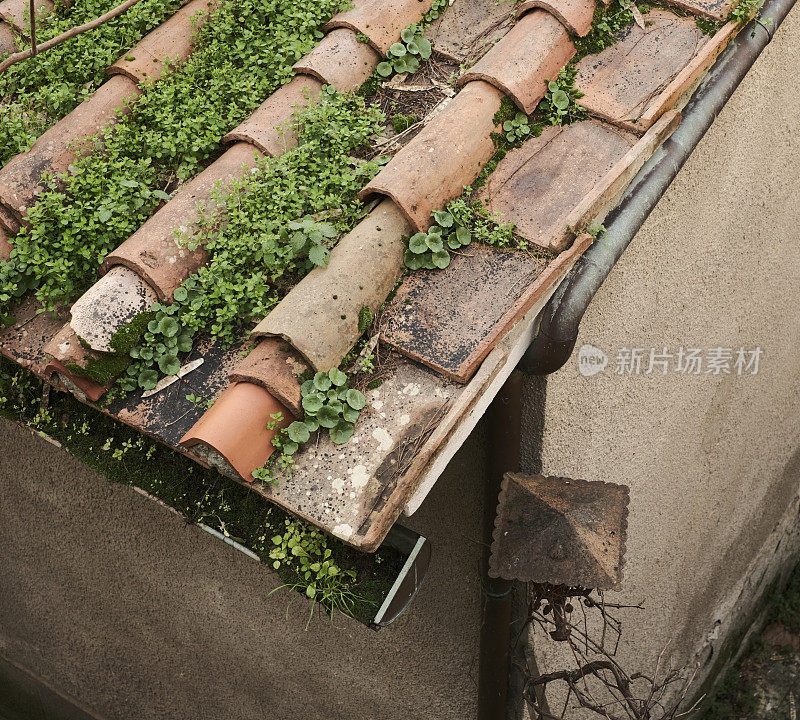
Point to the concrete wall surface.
(712, 460)
(123, 607)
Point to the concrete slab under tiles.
(622, 82)
(445, 318)
(469, 28)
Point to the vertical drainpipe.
(505, 423)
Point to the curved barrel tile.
(341, 60)
(112, 302)
(56, 150)
(380, 21)
(155, 251)
(533, 51)
(319, 316)
(17, 12)
(273, 365)
(269, 127)
(172, 40)
(236, 427)
(66, 349)
(448, 154)
(7, 39)
(575, 15)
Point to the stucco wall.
(122, 606)
(713, 461)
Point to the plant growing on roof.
(274, 231)
(430, 250)
(560, 105)
(404, 56)
(242, 55)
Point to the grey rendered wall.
(713, 462)
(122, 607)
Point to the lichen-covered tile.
(624, 81)
(56, 149)
(24, 342)
(718, 10)
(467, 30)
(533, 51)
(341, 60)
(172, 40)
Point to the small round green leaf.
(398, 50)
(385, 69)
(322, 381)
(443, 218)
(180, 294)
(412, 261)
(434, 242)
(169, 365)
(148, 379)
(561, 99)
(464, 236)
(298, 432)
(337, 377)
(355, 399)
(418, 243)
(168, 326)
(441, 259)
(313, 402)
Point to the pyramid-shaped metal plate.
(560, 531)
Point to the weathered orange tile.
(276, 367)
(110, 304)
(66, 349)
(236, 427)
(5, 245)
(468, 29)
(533, 51)
(341, 60)
(448, 154)
(450, 320)
(16, 12)
(712, 9)
(24, 341)
(269, 127)
(575, 15)
(56, 150)
(555, 184)
(630, 83)
(7, 39)
(155, 251)
(320, 315)
(171, 40)
(379, 20)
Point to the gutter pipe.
(555, 339)
(558, 329)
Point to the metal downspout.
(552, 346)
(560, 320)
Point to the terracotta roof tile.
(7, 38)
(713, 9)
(447, 154)
(320, 315)
(632, 82)
(561, 181)
(575, 15)
(268, 127)
(16, 12)
(341, 60)
(56, 149)
(276, 367)
(154, 251)
(451, 320)
(533, 51)
(380, 21)
(236, 427)
(171, 40)
(468, 29)
(65, 349)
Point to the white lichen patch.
(343, 532)
(384, 439)
(359, 476)
(338, 485)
